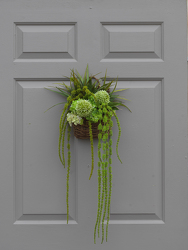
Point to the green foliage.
(104, 192)
(95, 101)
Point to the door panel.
(142, 43)
(132, 41)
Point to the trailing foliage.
(68, 171)
(92, 154)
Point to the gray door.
(143, 42)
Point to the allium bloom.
(102, 97)
(83, 108)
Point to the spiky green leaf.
(55, 105)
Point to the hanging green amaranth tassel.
(68, 171)
(61, 129)
(91, 143)
(99, 199)
(62, 140)
(110, 182)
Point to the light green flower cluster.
(74, 119)
(83, 108)
(102, 97)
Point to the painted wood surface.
(143, 42)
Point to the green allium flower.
(83, 108)
(102, 97)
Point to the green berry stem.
(63, 143)
(99, 200)
(119, 135)
(60, 136)
(105, 149)
(61, 127)
(102, 196)
(88, 92)
(105, 204)
(104, 175)
(109, 200)
(102, 180)
(99, 187)
(68, 171)
(92, 154)
(110, 185)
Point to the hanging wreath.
(89, 109)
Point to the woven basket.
(82, 131)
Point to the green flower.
(102, 97)
(83, 108)
(75, 119)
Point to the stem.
(102, 197)
(99, 200)
(61, 128)
(109, 200)
(105, 204)
(119, 135)
(68, 172)
(60, 136)
(63, 143)
(92, 154)
(110, 185)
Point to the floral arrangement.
(91, 101)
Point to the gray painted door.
(143, 42)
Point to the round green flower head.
(83, 108)
(102, 97)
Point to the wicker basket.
(82, 131)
